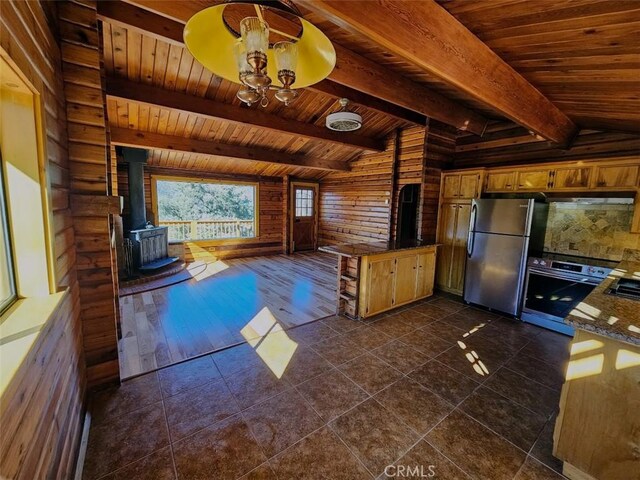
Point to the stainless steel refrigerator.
(501, 233)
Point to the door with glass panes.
(304, 212)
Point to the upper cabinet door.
(572, 178)
(616, 176)
(469, 185)
(536, 180)
(500, 181)
(451, 186)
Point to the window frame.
(211, 180)
(4, 218)
(309, 203)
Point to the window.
(26, 256)
(206, 210)
(304, 202)
(7, 276)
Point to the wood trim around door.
(292, 210)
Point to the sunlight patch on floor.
(212, 269)
(270, 341)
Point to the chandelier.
(263, 46)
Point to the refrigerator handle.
(471, 238)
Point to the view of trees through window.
(206, 210)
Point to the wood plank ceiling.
(584, 55)
(146, 60)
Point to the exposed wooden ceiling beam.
(162, 20)
(426, 35)
(359, 73)
(356, 97)
(157, 141)
(156, 96)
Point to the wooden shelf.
(348, 278)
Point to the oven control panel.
(569, 267)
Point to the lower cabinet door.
(380, 286)
(405, 281)
(425, 277)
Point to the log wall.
(90, 171)
(362, 205)
(509, 144)
(440, 146)
(270, 239)
(355, 205)
(42, 407)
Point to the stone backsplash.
(597, 230)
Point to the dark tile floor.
(439, 387)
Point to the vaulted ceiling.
(582, 55)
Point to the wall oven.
(555, 287)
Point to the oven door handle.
(577, 278)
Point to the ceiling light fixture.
(344, 120)
(262, 46)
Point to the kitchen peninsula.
(596, 433)
(375, 277)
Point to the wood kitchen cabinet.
(380, 277)
(453, 230)
(395, 278)
(571, 178)
(461, 186)
(425, 277)
(533, 180)
(616, 176)
(500, 181)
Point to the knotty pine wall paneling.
(42, 407)
(90, 175)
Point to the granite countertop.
(609, 315)
(363, 249)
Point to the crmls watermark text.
(405, 471)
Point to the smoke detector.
(343, 120)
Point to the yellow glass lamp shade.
(214, 46)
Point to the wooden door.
(469, 185)
(424, 281)
(451, 186)
(572, 178)
(536, 180)
(459, 254)
(304, 214)
(380, 277)
(405, 283)
(616, 176)
(446, 234)
(500, 181)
